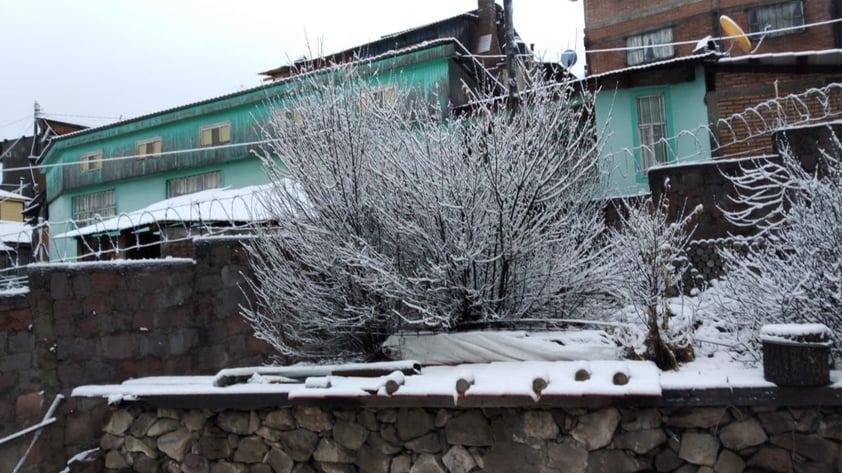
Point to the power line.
(81, 116)
(149, 156)
(16, 121)
(680, 43)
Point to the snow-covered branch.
(415, 219)
(649, 254)
(793, 273)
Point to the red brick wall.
(609, 22)
(735, 91)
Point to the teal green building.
(116, 169)
(649, 116)
(110, 171)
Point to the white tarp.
(489, 346)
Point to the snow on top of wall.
(510, 378)
(804, 334)
(483, 380)
(114, 263)
(714, 161)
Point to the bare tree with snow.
(649, 254)
(415, 219)
(792, 272)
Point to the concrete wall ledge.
(794, 397)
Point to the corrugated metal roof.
(658, 64)
(825, 57)
(416, 47)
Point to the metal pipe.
(27, 430)
(37, 435)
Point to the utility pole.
(36, 115)
(513, 102)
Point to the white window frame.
(91, 161)
(142, 148)
(652, 134)
(650, 46)
(211, 128)
(385, 95)
(289, 118)
(780, 15)
(97, 206)
(194, 183)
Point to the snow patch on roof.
(789, 55)
(12, 195)
(216, 205)
(14, 233)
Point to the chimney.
(487, 42)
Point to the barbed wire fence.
(224, 212)
(744, 134)
(142, 234)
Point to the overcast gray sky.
(124, 58)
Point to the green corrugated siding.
(141, 182)
(686, 111)
(180, 129)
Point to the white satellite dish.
(569, 58)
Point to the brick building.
(644, 24)
(782, 89)
(664, 102)
(706, 106)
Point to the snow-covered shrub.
(649, 256)
(415, 220)
(792, 272)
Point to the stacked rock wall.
(304, 439)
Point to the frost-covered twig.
(794, 272)
(415, 220)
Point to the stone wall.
(704, 183)
(305, 439)
(94, 323)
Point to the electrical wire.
(80, 116)
(15, 121)
(149, 156)
(20, 137)
(681, 43)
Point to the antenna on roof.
(733, 31)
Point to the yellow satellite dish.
(733, 30)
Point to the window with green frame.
(651, 130)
